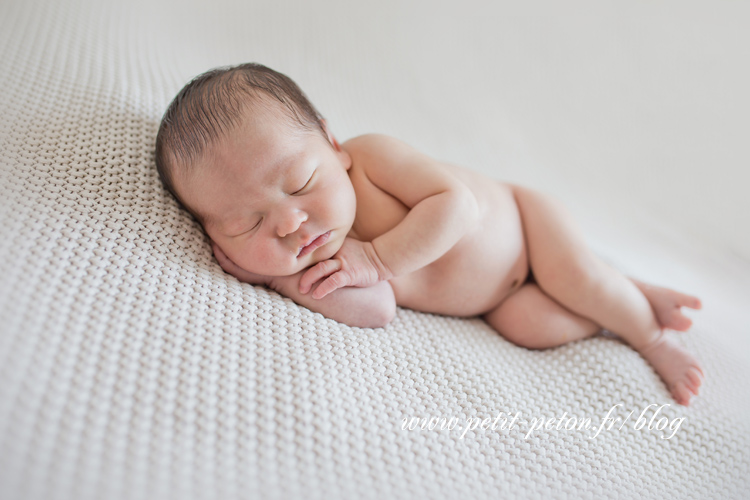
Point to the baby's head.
(245, 152)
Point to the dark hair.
(212, 105)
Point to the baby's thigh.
(530, 318)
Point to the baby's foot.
(677, 367)
(666, 304)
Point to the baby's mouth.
(317, 242)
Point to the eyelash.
(303, 187)
(251, 229)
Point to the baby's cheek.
(340, 200)
(263, 261)
(246, 257)
(272, 261)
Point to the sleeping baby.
(353, 229)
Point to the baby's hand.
(235, 270)
(355, 264)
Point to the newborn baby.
(351, 230)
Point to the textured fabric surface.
(131, 366)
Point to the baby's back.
(479, 271)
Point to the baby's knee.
(531, 319)
(517, 321)
(533, 336)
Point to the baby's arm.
(442, 209)
(372, 307)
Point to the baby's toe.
(677, 321)
(693, 381)
(681, 393)
(689, 301)
(695, 378)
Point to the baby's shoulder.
(377, 148)
(374, 140)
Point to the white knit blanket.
(132, 366)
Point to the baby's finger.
(335, 281)
(318, 271)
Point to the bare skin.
(446, 239)
(667, 305)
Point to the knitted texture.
(132, 366)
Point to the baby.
(351, 230)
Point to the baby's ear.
(329, 135)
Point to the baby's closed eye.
(306, 184)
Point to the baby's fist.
(355, 264)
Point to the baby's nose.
(290, 222)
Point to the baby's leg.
(569, 272)
(530, 318)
